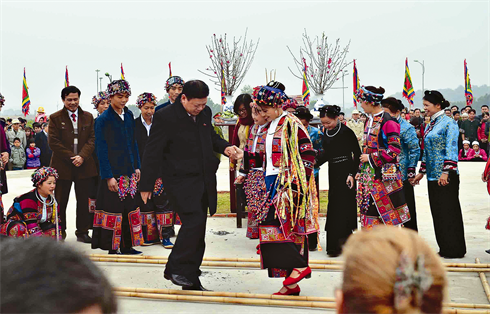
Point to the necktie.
(193, 118)
(74, 117)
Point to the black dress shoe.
(488, 251)
(63, 234)
(85, 238)
(178, 280)
(196, 288)
(333, 253)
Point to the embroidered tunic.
(440, 147)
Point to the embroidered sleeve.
(391, 131)
(307, 152)
(451, 157)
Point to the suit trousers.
(82, 192)
(188, 251)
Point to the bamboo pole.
(260, 302)
(484, 281)
(251, 265)
(256, 260)
(265, 296)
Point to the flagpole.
(97, 82)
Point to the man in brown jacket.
(72, 140)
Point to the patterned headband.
(98, 98)
(42, 174)
(144, 98)
(174, 80)
(2, 99)
(290, 103)
(118, 87)
(265, 95)
(369, 96)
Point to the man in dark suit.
(72, 139)
(42, 144)
(182, 142)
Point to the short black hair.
(331, 111)
(456, 112)
(45, 124)
(16, 139)
(68, 90)
(393, 104)
(36, 125)
(447, 109)
(195, 89)
(245, 100)
(454, 106)
(416, 109)
(472, 110)
(484, 106)
(32, 140)
(43, 276)
(9, 120)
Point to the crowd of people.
(135, 178)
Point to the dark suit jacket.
(60, 139)
(116, 146)
(46, 152)
(165, 104)
(140, 135)
(184, 150)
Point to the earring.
(277, 112)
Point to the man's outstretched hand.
(234, 152)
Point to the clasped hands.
(234, 152)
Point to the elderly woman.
(289, 213)
(35, 213)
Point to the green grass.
(224, 202)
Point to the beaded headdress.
(173, 80)
(369, 96)
(144, 98)
(270, 96)
(117, 87)
(98, 98)
(290, 103)
(42, 174)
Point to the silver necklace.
(338, 125)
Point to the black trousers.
(188, 251)
(313, 237)
(447, 217)
(83, 187)
(410, 199)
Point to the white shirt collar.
(437, 115)
(72, 112)
(144, 122)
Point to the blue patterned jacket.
(316, 137)
(440, 147)
(409, 156)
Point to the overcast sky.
(45, 36)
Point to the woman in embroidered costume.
(290, 211)
(316, 137)
(117, 221)
(391, 270)
(156, 216)
(485, 177)
(408, 157)
(341, 150)
(35, 213)
(380, 193)
(440, 163)
(242, 108)
(253, 178)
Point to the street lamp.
(97, 82)
(100, 79)
(423, 72)
(343, 89)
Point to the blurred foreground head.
(40, 275)
(391, 270)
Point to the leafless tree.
(231, 61)
(324, 62)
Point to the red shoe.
(294, 291)
(302, 274)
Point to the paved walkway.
(463, 287)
